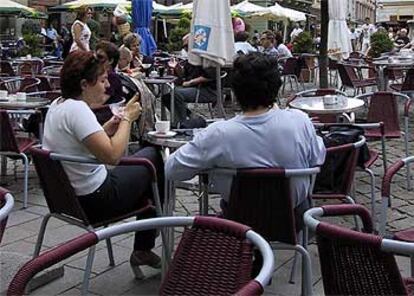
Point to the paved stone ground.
(24, 224)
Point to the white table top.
(396, 61)
(30, 103)
(316, 105)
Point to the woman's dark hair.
(79, 65)
(278, 39)
(111, 51)
(255, 80)
(82, 11)
(241, 36)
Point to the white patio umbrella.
(278, 12)
(339, 41)
(211, 41)
(247, 9)
(11, 7)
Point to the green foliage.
(303, 43)
(32, 45)
(95, 29)
(31, 27)
(380, 43)
(176, 35)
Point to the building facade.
(393, 11)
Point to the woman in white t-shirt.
(283, 50)
(72, 128)
(81, 33)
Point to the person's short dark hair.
(255, 80)
(269, 35)
(241, 36)
(278, 38)
(111, 51)
(79, 65)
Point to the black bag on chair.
(332, 170)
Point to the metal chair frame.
(407, 105)
(22, 155)
(312, 216)
(83, 220)
(90, 239)
(6, 206)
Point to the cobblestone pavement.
(23, 227)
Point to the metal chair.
(64, 205)
(21, 84)
(15, 146)
(6, 206)
(48, 82)
(214, 257)
(6, 69)
(373, 157)
(262, 199)
(383, 107)
(50, 94)
(357, 263)
(350, 79)
(386, 188)
(408, 85)
(30, 68)
(291, 70)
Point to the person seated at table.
(241, 45)
(267, 42)
(133, 42)
(262, 136)
(282, 49)
(107, 52)
(195, 84)
(124, 63)
(71, 128)
(402, 40)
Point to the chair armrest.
(346, 210)
(18, 285)
(135, 161)
(389, 174)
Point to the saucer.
(168, 134)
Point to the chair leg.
(26, 178)
(110, 252)
(372, 185)
(284, 85)
(41, 235)
(406, 135)
(292, 278)
(383, 217)
(88, 270)
(412, 265)
(306, 271)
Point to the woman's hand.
(133, 109)
(111, 126)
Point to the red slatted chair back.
(59, 193)
(383, 106)
(213, 258)
(352, 263)
(261, 198)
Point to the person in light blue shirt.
(262, 136)
(267, 42)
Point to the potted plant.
(303, 43)
(32, 39)
(176, 34)
(380, 43)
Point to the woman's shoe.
(139, 258)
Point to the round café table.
(342, 107)
(393, 62)
(31, 103)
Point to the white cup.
(162, 126)
(29, 56)
(330, 100)
(3, 94)
(21, 96)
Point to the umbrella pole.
(220, 106)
